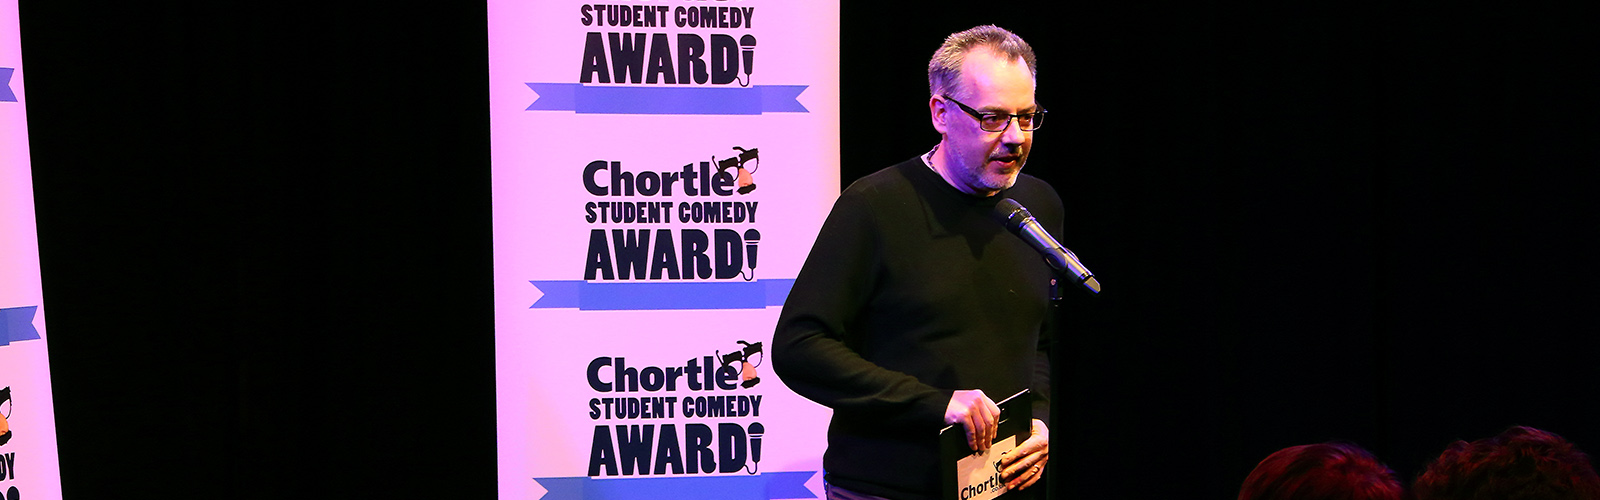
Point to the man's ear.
(939, 113)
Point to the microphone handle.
(1057, 256)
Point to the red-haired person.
(1520, 463)
(1327, 471)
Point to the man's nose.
(1013, 134)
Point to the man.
(915, 309)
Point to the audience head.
(1521, 463)
(1327, 471)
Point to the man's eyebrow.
(1029, 109)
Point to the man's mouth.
(1008, 161)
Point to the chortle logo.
(693, 428)
(700, 390)
(5, 414)
(633, 262)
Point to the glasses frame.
(1036, 117)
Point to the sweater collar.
(931, 175)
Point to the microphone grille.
(1011, 213)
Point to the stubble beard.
(978, 176)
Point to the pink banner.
(660, 169)
(28, 463)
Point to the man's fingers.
(1015, 470)
(984, 425)
(981, 421)
(1022, 450)
(978, 414)
(1032, 476)
(1025, 471)
(973, 434)
(994, 420)
(977, 423)
(1027, 461)
(1034, 451)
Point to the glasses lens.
(994, 123)
(998, 122)
(1030, 121)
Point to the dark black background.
(265, 234)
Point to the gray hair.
(944, 70)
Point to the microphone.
(747, 45)
(1022, 224)
(756, 430)
(751, 238)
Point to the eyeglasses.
(997, 122)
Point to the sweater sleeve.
(812, 347)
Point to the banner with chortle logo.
(660, 171)
(29, 468)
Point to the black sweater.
(912, 291)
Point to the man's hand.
(977, 414)
(1024, 465)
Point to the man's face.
(982, 162)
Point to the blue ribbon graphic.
(636, 296)
(16, 324)
(5, 88)
(667, 100)
(763, 486)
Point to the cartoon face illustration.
(746, 163)
(5, 412)
(743, 357)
